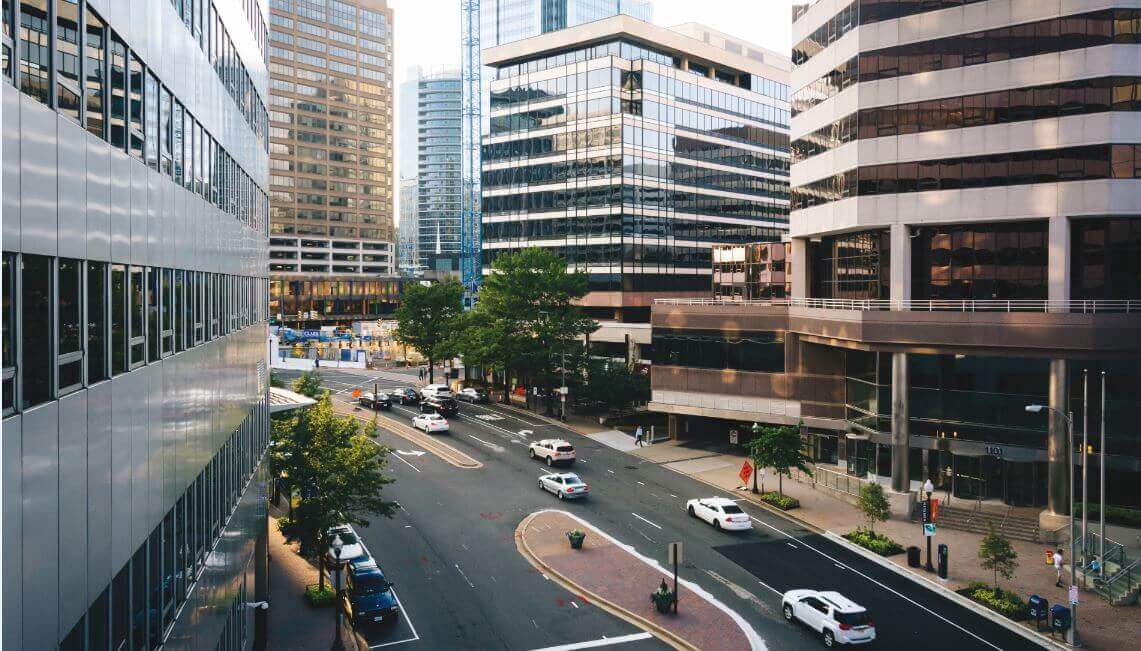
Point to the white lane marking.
(464, 575)
(415, 635)
(646, 537)
(574, 604)
(582, 460)
(497, 448)
(401, 459)
(674, 496)
(641, 484)
(645, 520)
(896, 593)
(411, 453)
(779, 593)
(610, 471)
(791, 545)
(604, 641)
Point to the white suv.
(430, 423)
(552, 451)
(435, 391)
(838, 619)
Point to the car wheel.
(550, 462)
(692, 513)
(788, 612)
(716, 524)
(541, 486)
(562, 495)
(829, 639)
(531, 452)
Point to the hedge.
(875, 542)
(1113, 514)
(782, 502)
(319, 597)
(1007, 604)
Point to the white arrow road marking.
(413, 453)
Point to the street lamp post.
(337, 545)
(928, 488)
(1069, 416)
(756, 430)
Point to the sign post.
(675, 557)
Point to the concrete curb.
(610, 607)
(441, 450)
(1008, 624)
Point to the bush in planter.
(782, 502)
(576, 537)
(319, 597)
(1005, 603)
(875, 542)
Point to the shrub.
(319, 597)
(782, 502)
(1113, 514)
(1005, 603)
(875, 542)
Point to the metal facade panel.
(72, 509)
(123, 405)
(40, 526)
(120, 206)
(11, 462)
(99, 414)
(98, 199)
(37, 178)
(10, 157)
(71, 185)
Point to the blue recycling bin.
(1039, 610)
(1059, 618)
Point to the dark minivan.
(442, 406)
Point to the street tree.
(997, 554)
(614, 384)
(782, 452)
(337, 470)
(308, 384)
(757, 453)
(873, 504)
(427, 319)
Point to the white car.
(435, 391)
(835, 617)
(351, 545)
(721, 512)
(565, 485)
(430, 423)
(552, 451)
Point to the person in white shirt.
(1058, 561)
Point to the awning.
(281, 400)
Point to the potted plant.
(576, 537)
(663, 599)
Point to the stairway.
(1019, 528)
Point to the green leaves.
(997, 554)
(309, 384)
(778, 447)
(873, 504)
(428, 316)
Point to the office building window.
(135, 106)
(98, 621)
(35, 50)
(36, 346)
(67, 58)
(168, 311)
(69, 325)
(118, 75)
(181, 313)
(95, 72)
(7, 36)
(137, 301)
(96, 322)
(120, 319)
(8, 322)
(165, 136)
(984, 261)
(151, 111)
(177, 139)
(852, 266)
(153, 298)
(1106, 262)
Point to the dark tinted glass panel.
(36, 344)
(851, 266)
(154, 288)
(98, 622)
(1106, 258)
(118, 112)
(151, 116)
(67, 58)
(980, 262)
(97, 300)
(69, 324)
(137, 305)
(95, 72)
(135, 105)
(120, 333)
(35, 50)
(7, 36)
(8, 314)
(121, 609)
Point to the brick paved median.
(606, 572)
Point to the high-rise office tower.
(135, 411)
(332, 228)
(408, 233)
(504, 21)
(630, 150)
(438, 171)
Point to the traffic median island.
(618, 579)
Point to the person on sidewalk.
(1058, 561)
(638, 437)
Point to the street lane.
(642, 504)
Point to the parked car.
(405, 396)
(836, 618)
(430, 423)
(468, 394)
(721, 512)
(351, 545)
(435, 391)
(441, 406)
(379, 401)
(552, 451)
(368, 598)
(565, 485)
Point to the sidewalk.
(619, 581)
(292, 622)
(1102, 626)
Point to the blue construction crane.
(471, 121)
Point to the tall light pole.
(337, 546)
(1101, 491)
(1085, 469)
(928, 488)
(1069, 416)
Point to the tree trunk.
(754, 477)
(780, 483)
(321, 573)
(431, 368)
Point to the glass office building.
(438, 171)
(135, 410)
(506, 21)
(631, 150)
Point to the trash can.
(1039, 610)
(1059, 619)
(913, 556)
(943, 559)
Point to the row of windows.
(757, 351)
(649, 258)
(120, 101)
(1014, 105)
(326, 231)
(1015, 168)
(827, 85)
(137, 609)
(828, 33)
(552, 143)
(852, 265)
(71, 323)
(627, 226)
(980, 261)
(749, 134)
(679, 88)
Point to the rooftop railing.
(1062, 307)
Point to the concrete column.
(900, 264)
(797, 266)
(792, 352)
(900, 431)
(1058, 262)
(671, 421)
(1057, 444)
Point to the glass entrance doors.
(1017, 483)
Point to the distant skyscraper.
(438, 173)
(406, 115)
(408, 232)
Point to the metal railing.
(1121, 581)
(837, 481)
(1060, 307)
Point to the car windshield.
(731, 508)
(372, 584)
(572, 479)
(859, 618)
(347, 537)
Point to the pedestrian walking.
(421, 373)
(638, 440)
(1058, 568)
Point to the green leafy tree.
(997, 554)
(308, 384)
(337, 470)
(782, 452)
(873, 504)
(527, 320)
(758, 456)
(614, 384)
(427, 319)
(276, 381)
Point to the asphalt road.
(451, 552)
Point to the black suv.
(368, 599)
(441, 406)
(405, 396)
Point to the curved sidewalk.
(617, 579)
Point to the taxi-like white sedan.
(721, 512)
(566, 485)
(430, 423)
